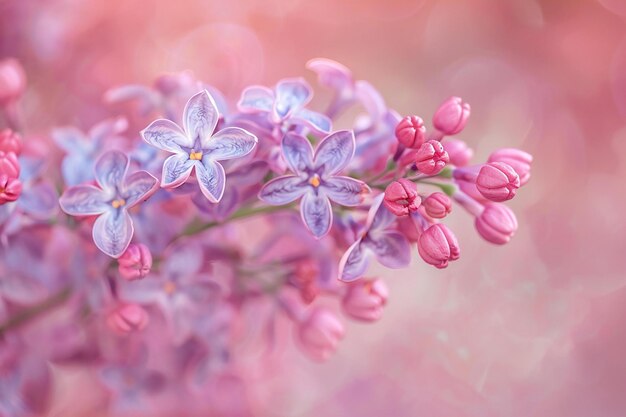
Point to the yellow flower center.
(315, 181)
(169, 287)
(118, 203)
(195, 156)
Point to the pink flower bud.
(401, 197)
(10, 141)
(437, 246)
(10, 189)
(451, 116)
(497, 181)
(496, 224)
(411, 132)
(518, 160)
(127, 318)
(135, 263)
(431, 158)
(9, 165)
(437, 205)
(319, 334)
(365, 300)
(12, 80)
(460, 154)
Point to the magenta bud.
(411, 132)
(127, 318)
(437, 245)
(319, 334)
(451, 117)
(431, 158)
(365, 300)
(519, 160)
(401, 197)
(10, 189)
(497, 181)
(437, 205)
(12, 80)
(460, 154)
(135, 263)
(496, 224)
(9, 165)
(10, 141)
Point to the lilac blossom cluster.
(146, 274)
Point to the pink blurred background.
(535, 328)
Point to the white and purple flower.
(117, 192)
(196, 147)
(315, 179)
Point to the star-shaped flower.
(196, 147)
(117, 192)
(315, 179)
(391, 248)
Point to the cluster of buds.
(10, 148)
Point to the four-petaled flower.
(285, 105)
(316, 179)
(195, 146)
(391, 248)
(113, 229)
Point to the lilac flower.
(131, 384)
(285, 105)
(316, 179)
(117, 193)
(83, 149)
(389, 247)
(197, 147)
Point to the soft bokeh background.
(535, 328)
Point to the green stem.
(449, 189)
(32, 312)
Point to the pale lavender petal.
(379, 217)
(200, 117)
(84, 200)
(176, 170)
(166, 135)
(108, 128)
(39, 201)
(111, 169)
(256, 99)
(354, 262)
(282, 190)
(335, 151)
(316, 213)
(71, 140)
(332, 74)
(371, 99)
(211, 178)
(291, 94)
(229, 143)
(297, 151)
(112, 232)
(345, 190)
(138, 186)
(183, 262)
(315, 121)
(392, 249)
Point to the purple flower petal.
(84, 200)
(379, 217)
(183, 263)
(371, 99)
(176, 170)
(39, 201)
(354, 262)
(71, 139)
(138, 186)
(316, 213)
(345, 190)
(166, 135)
(291, 94)
(111, 169)
(211, 178)
(297, 151)
(335, 152)
(282, 190)
(256, 99)
(229, 143)
(200, 117)
(392, 249)
(332, 74)
(112, 232)
(315, 121)
(107, 128)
